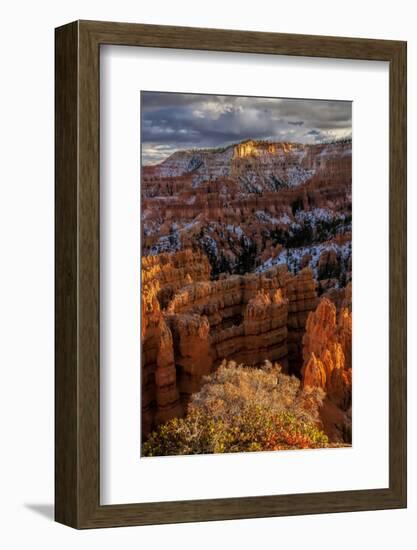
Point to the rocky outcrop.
(253, 317)
(327, 353)
(237, 245)
(302, 297)
(341, 297)
(236, 203)
(161, 276)
(320, 329)
(265, 328)
(345, 335)
(150, 342)
(247, 318)
(329, 264)
(247, 315)
(191, 352)
(166, 380)
(164, 274)
(256, 165)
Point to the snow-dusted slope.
(251, 205)
(258, 166)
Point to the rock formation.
(191, 352)
(235, 203)
(239, 244)
(162, 275)
(166, 383)
(327, 353)
(248, 318)
(302, 297)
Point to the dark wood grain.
(78, 285)
(66, 238)
(398, 274)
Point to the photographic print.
(246, 274)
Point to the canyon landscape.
(246, 290)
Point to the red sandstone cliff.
(161, 276)
(247, 318)
(327, 353)
(238, 246)
(237, 203)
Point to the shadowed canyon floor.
(246, 257)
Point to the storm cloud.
(172, 121)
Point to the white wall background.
(27, 260)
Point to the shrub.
(242, 409)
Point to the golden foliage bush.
(240, 409)
(232, 388)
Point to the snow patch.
(266, 217)
(293, 256)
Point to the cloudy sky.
(172, 121)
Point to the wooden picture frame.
(77, 360)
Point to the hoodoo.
(238, 245)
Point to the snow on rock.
(235, 229)
(293, 256)
(296, 175)
(263, 216)
(318, 215)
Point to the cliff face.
(247, 318)
(166, 384)
(192, 352)
(247, 256)
(302, 296)
(327, 354)
(247, 315)
(237, 203)
(162, 276)
(271, 164)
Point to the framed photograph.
(230, 274)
